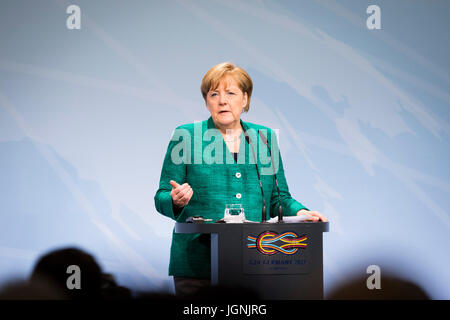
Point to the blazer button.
(238, 195)
(238, 175)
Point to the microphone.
(280, 209)
(247, 137)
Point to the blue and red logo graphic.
(269, 242)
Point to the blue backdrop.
(363, 118)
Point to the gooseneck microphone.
(249, 141)
(280, 209)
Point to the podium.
(276, 260)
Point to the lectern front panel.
(276, 252)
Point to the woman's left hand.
(313, 215)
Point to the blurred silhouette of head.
(111, 290)
(27, 290)
(392, 288)
(53, 268)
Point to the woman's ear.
(245, 100)
(207, 106)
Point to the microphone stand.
(280, 209)
(263, 213)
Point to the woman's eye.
(230, 92)
(213, 94)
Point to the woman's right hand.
(181, 194)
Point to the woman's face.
(226, 102)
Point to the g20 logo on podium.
(270, 242)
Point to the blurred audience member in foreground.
(392, 288)
(52, 269)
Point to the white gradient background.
(86, 116)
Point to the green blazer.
(197, 154)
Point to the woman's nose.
(222, 99)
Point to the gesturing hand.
(181, 194)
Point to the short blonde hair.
(212, 79)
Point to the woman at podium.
(218, 162)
